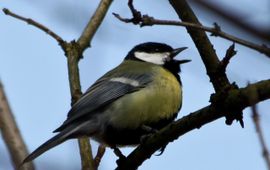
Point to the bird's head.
(156, 53)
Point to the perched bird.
(142, 94)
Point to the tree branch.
(11, 134)
(237, 99)
(73, 51)
(225, 61)
(36, 24)
(85, 39)
(234, 100)
(209, 57)
(100, 153)
(234, 19)
(145, 20)
(256, 120)
(73, 54)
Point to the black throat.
(174, 67)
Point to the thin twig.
(73, 54)
(145, 20)
(234, 18)
(85, 39)
(256, 120)
(36, 24)
(87, 160)
(11, 134)
(100, 153)
(225, 61)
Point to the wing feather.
(103, 92)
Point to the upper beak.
(177, 51)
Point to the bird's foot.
(149, 131)
(161, 150)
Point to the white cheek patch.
(155, 58)
(125, 80)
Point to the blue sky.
(33, 71)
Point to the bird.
(141, 95)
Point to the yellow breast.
(161, 99)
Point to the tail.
(54, 141)
(61, 137)
(67, 133)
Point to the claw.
(161, 150)
(149, 130)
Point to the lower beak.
(182, 61)
(177, 51)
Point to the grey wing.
(103, 92)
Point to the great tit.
(144, 92)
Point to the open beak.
(177, 51)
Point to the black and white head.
(157, 53)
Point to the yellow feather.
(159, 100)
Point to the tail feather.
(56, 140)
(67, 133)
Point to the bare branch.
(256, 120)
(100, 153)
(11, 134)
(208, 55)
(229, 54)
(73, 54)
(73, 51)
(36, 24)
(85, 39)
(87, 160)
(238, 99)
(234, 18)
(145, 20)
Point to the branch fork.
(74, 52)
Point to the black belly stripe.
(131, 136)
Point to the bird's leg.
(148, 129)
